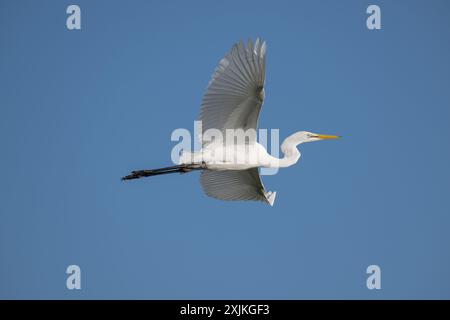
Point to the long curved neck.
(290, 158)
(290, 151)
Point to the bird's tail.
(182, 168)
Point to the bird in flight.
(233, 100)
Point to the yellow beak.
(327, 136)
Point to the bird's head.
(290, 143)
(310, 136)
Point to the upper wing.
(235, 185)
(236, 91)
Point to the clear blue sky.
(79, 109)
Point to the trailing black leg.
(182, 168)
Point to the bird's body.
(234, 157)
(232, 102)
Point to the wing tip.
(258, 47)
(270, 197)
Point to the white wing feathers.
(235, 185)
(236, 91)
(233, 100)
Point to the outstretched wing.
(235, 185)
(236, 91)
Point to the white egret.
(233, 100)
